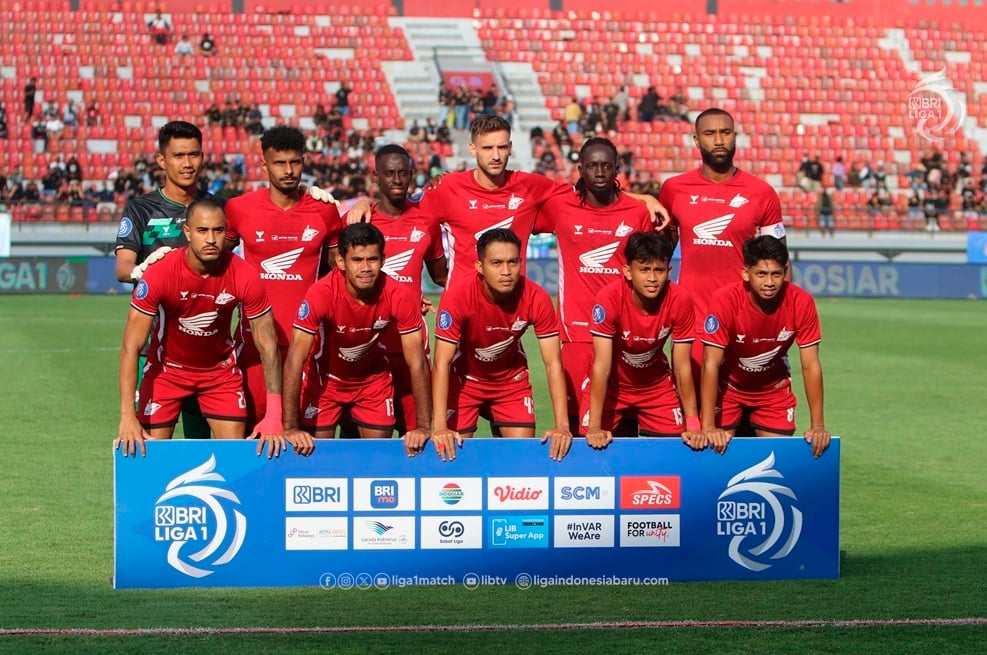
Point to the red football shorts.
(219, 391)
(771, 409)
(253, 375)
(657, 407)
(577, 362)
(510, 404)
(406, 417)
(370, 402)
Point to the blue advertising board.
(213, 513)
(976, 247)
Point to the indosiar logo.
(197, 517)
(760, 517)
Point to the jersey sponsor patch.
(142, 290)
(711, 324)
(598, 314)
(445, 320)
(126, 227)
(303, 310)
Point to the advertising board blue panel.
(213, 513)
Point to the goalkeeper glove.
(322, 195)
(155, 256)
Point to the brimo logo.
(205, 521)
(758, 512)
(936, 107)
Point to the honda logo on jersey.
(198, 325)
(394, 264)
(595, 260)
(708, 232)
(276, 268)
(506, 223)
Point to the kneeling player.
(351, 308)
(632, 319)
(194, 292)
(479, 362)
(749, 329)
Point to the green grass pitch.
(905, 385)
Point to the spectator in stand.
(915, 209)
(573, 116)
(70, 114)
(593, 123)
(620, 99)
(184, 47)
(214, 115)
(461, 107)
(815, 175)
(30, 93)
(445, 102)
(320, 117)
(880, 177)
(92, 113)
(207, 46)
(255, 120)
(647, 108)
(678, 107)
(230, 115)
(825, 206)
(343, 99)
(839, 174)
(314, 142)
(160, 29)
(3, 121)
(611, 115)
(53, 128)
(51, 110)
(490, 100)
(506, 109)
(73, 171)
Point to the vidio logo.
(757, 512)
(207, 521)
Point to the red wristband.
(693, 423)
(274, 405)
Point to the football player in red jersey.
(747, 334)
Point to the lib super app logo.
(757, 513)
(198, 518)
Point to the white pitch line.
(58, 351)
(617, 625)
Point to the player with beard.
(194, 292)
(151, 224)
(713, 210)
(591, 227)
(747, 334)
(287, 234)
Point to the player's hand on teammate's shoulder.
(301, 441)
(560, 440)
(598, 438)
(427, 306)
(414, 441)
(359, 212)
(446, 442)
(818, 438)
(131, 438)
(322, 195)
(153, 258)
(718, 439)
(658, 212)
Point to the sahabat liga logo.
(198, 518)
(758, 513)
(936, 107)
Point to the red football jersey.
(287, 245)
(487, 335)
(350, 346)
(591, 244)
(714, 220)
(410, 241)
(194, 312)
(756, 344)
(639, 337)
(465, 210)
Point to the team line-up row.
(331, 330)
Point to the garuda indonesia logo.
(762, 527)
(191, 512)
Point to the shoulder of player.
(532, 290)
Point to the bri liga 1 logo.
(198, 520)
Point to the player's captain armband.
(155, 256)
(322, 195)
(777, 231)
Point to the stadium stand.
(829, 78)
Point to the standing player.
(479, 360)
(194, 292)
(350, 309)
(152, 224)
(749, 329)
(468, 203)
(413, 243)
(290, 236)
(591, 227)
(714, 210)
(632, 320)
